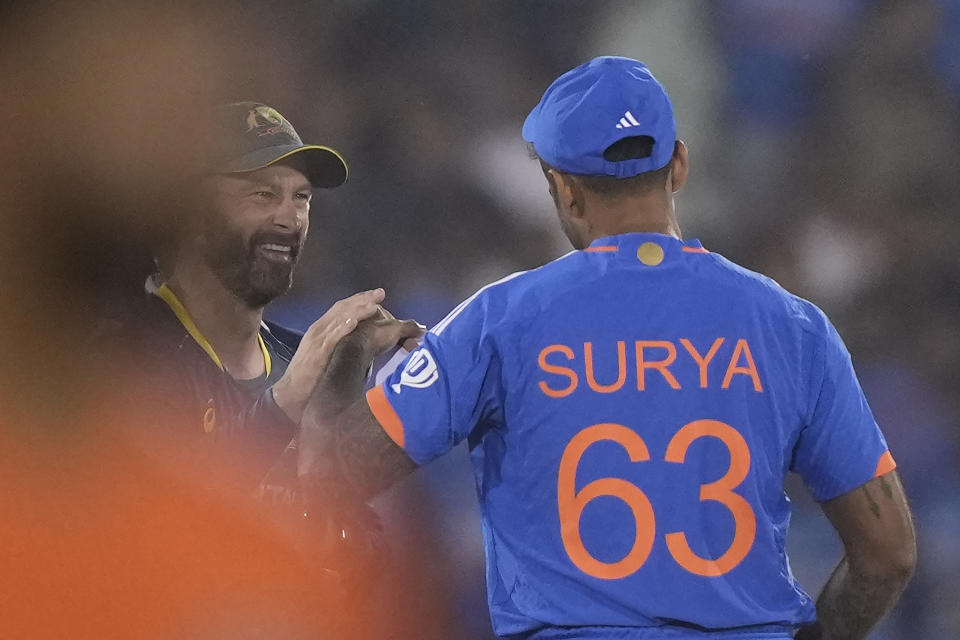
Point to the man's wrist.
(289, 398)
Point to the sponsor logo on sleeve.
(420, 372)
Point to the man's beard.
(252, 277)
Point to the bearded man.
(226, 389)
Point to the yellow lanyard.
(165, 294)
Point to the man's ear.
(569, 194)
(678, 166)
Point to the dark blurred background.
(823, 140)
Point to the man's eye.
(303, 196)
(263, 194)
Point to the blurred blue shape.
(945, 51)
(775, 52)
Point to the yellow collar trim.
(167, 295)
(267, 361)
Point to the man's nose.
(288, 216)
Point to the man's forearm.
(341, 443)
(877, 531)
(341, 385)
(852, 603)
(368, 459)
(295, 389)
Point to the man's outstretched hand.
(381, 332)
(310, 361)
(343, 380)
(324, 425)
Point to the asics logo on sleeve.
(420, 372)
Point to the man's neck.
(229, 325)
(635, 220)
(667, 228)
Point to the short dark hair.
(629, 148)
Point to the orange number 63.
(571, 502)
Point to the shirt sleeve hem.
(385, 415)
(885, 465)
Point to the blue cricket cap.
(591, 107)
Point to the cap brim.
(325, 167)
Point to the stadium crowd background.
(823, 143)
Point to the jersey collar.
(630, 243)
(169, 297)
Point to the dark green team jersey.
(233, 428)
(231, 445)
(228, 435)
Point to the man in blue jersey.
(632, 410)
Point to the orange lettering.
(557, 370)
(750, 370)
(659, 365)
(721, 491)
(702, 361)
(571, 503)
(621, 368)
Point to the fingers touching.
(357, 307)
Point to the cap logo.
(627, 121)
(268, 119)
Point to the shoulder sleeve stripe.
(885, 465)
(385, 414)
(443, 324)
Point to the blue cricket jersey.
(632, 411)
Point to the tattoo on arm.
(874, 507)
(850, 606)
(887, 486)
(345, 454)
(874, 522)
(367, 457)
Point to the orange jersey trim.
(384, 413)
(600, 249)
(885, 465)
(694, 250)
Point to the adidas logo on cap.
(627, 121)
